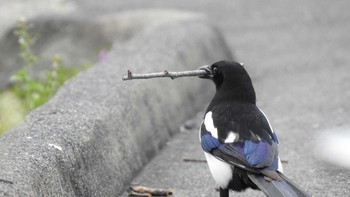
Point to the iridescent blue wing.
(256, 152)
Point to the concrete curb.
(97, 132)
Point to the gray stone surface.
(97, 131)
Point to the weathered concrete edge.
(97, 132)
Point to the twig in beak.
(165, 73)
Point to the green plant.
(30, 92)
(34, 91)
(26, 42)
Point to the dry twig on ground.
(194, 160)
(138, 190)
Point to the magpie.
(239, 144)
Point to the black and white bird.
(239, 143)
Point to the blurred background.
(297, 53)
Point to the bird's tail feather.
(283, 188)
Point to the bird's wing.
(266, 125)
(254, 151)
(252, 154)
(247, 154)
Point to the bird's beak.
(209, 74)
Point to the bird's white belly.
(221, 171)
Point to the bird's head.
(231, 80)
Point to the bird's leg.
(224, 192)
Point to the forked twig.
(165, 73)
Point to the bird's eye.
(215, 70)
